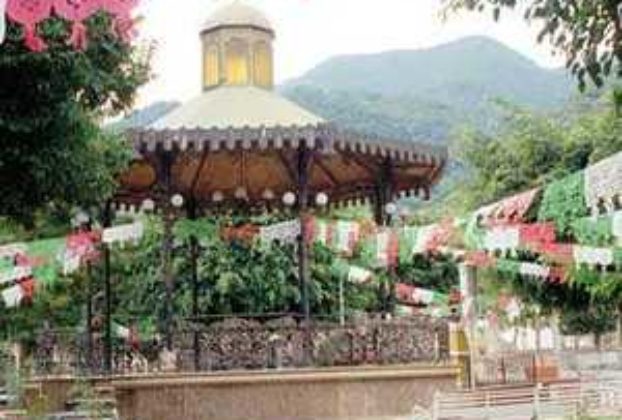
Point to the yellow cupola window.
(236, 63)
(262, 65)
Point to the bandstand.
(241, 147)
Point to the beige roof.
(236, 107)
(237, 14)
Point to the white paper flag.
(616, 228)
(15, 273)
(12, 250)
(125, 233)
(536, 270)
(284, 232)
(593, 256)
(358, 275)
(12, 296)
(347, 235)
(603, 181)
(502, 238)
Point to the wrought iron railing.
(238, 344)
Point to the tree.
(531, 149)
(588, 33)
(54, 153)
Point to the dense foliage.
(234, 278)
(51, 106)
(534, 150)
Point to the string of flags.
(382, 247)
(30, 13)
(418, 296)
(25, 266)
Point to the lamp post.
(107, 222)
(176, 201)
(82, 222)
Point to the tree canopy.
(52, 104)
(531, 149)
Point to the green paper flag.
(340, 268)
(45, 257)
(594, 232)
(617, 257)
(508, 266)
(408, 240)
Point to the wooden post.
(107, 222)
(303, 163)
(383, 196)
(468, 289)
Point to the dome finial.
(237, 13)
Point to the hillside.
(424, 94)
(144, 116)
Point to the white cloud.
(309, 31)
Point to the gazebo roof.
(211, 162)
(247, 145)
(228, 107)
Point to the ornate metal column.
(165, 167)
(107, 222)
(383, 196)
(89, 317)
(194, 255)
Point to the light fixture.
(404, 212)
(268, 194)
(217, 196)
(240, 193)
(82, 217)
(289, 199)
(390, 208)
(148, 205)
(177, 200)
(321, 199)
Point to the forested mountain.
(424, 94)
(144, 116)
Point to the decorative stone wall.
(318, 394)
(241, 344)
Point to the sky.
(310, 31)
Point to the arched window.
(237, 62)
(262, 64)
(211, 66)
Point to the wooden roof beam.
(331, 177)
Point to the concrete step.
(13, 414)
(77, 415)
